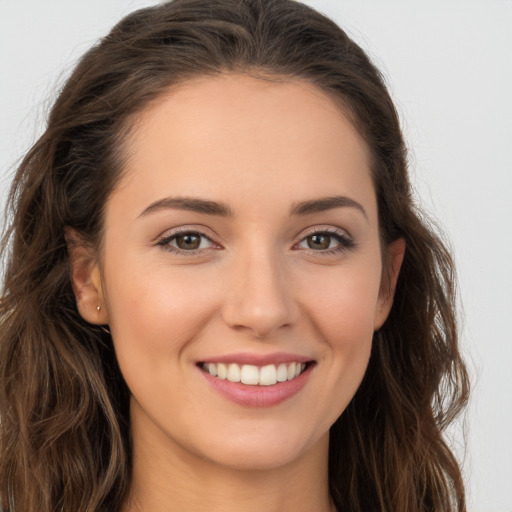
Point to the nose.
(259, 299)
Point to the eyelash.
(164, 242)
(345, 242)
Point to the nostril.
(259, 301)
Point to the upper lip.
(242, 358)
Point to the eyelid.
(346, 241)
(164, 239)
(324, 228)
(200, 229)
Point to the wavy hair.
(64, 407)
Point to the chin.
(263, 450)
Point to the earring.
(98, 308)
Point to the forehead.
(235, 135)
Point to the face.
(241, 244)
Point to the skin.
(255, 285)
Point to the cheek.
(343, 312)
(156, 311)
(344, 303)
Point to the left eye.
(323, 241)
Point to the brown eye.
(326, 242)
(188, 241)
(320, 241)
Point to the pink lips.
(254, 395)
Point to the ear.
(86, 279)
(393, 259)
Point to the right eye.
(186, 242)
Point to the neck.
(172, 479)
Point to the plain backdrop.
(448, 65)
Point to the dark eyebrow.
(191, 204)
(326, 203)
(222, 209)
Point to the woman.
(219, 292)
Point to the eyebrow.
(326, 203)
(222, 209)
(190, 204)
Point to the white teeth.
(222, 371)
(249, 374)
(252, 375)
(282, 373)
(268, 375)
(233, 373)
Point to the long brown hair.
(64, 429)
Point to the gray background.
(449, 69)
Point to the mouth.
(253, 375)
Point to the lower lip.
(258, 396)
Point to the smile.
(252, 375)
